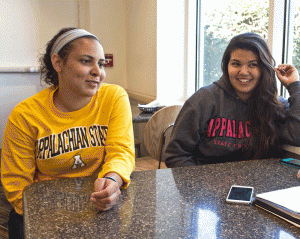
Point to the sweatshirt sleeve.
(17, 161)
(290, 131)
(184, 139)
(120, 142)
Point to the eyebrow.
(239, 60)
(93, 57)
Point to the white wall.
(26, 27)
(127, 29)
(13, 89)
(160, 44)
(141, 48)
(107, 22)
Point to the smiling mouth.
(93, 82)
(244, 80)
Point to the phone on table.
(291, 161)
(240, 194)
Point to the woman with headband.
(240, 116)
(77, 127)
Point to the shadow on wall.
(10, 96)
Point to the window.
(292, 36)
(295, 24)
(292, 33)
(219, 21)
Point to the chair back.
(158, 130)
(165, 140)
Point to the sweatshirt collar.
(224, 84)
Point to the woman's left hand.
(287, 74)
(107, 192)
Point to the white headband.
(67, 37)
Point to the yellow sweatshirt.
(42, 143)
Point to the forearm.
(290, 132)
(174, 162)
(184, 139)
(119, 147)
(17, 164)
(179, 154)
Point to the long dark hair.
(265, 111)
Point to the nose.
(97, 70)
(244, 70)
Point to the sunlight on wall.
(174, 44)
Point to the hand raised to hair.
(107, 192)
(287, 74)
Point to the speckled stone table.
(166, 203)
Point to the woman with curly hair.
(240, 116)
(77, 127)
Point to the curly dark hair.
(48, 73)
(266, 112)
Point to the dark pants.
(15, 225)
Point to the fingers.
(283, 70)
(104, 188)
(287, 74)
(298, 175)
(105, 204)
(106, 194)
(284, 67)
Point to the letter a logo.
(78, 162)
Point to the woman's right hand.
(287, 74)
(107, 192)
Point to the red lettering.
(234, 133)
(241, 130)
(217, 126)
(210, 127)
(223, 127)
(229, 129)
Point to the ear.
(57, 62)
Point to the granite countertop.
(167, 203)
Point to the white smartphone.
(240, 194)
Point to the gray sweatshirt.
(212, 126)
